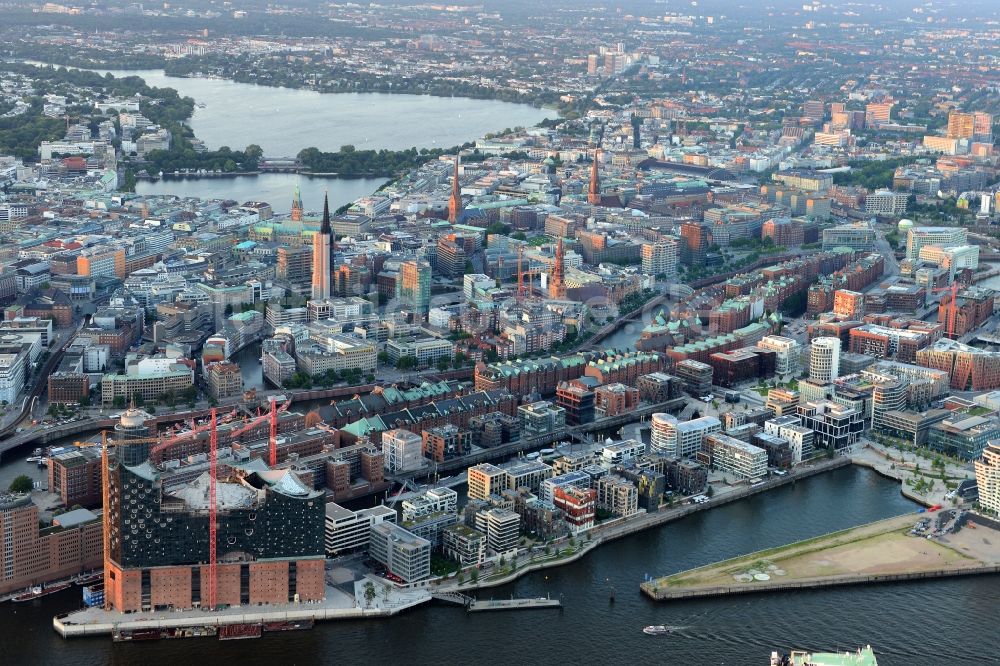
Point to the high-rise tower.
(297, 205)
(557, 288)
(321, 256)
(594, 193)
(455, 202)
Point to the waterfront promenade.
(338, 605)
(570, 549)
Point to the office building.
(919, 237)
(403, 450)
(824, 360)
(540, 418)
(224, 380)
(446, 442)
(75, 475)
(31, 555)
(402, 553)
(835, 426)
(486, 479)
(578, 402)
(349, 531)
(858, 236)
(969, 368)
(963, 436)
(782, 401)
(697, 376)
(414, 285)
(850, 304)
(886, 202)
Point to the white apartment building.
(403, 553)
(886, 202)
(660, 258)
(431, 501)
(734, 456)
(681, 439)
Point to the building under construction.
(249, 535)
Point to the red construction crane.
(213, 466)
(272, 441)
(953, 307)
(167, 442)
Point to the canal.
(915, 624)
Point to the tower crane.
(162, 443)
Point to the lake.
(283, 121)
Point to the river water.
(914, 624)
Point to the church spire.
(325, 227)
(557, 288)
(297, 205)
(455, 202)
(322, 256)
(594, 194)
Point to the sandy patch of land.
(885, 547)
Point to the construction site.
(246, 534)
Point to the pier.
(514, 604)
(474, 605)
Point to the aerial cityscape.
(653, 330)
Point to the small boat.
(91, 579)
(39, 591)
(657, 630)
(34, 459)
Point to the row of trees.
(182, 156)
(871, 175)
(348, 161)
(303, 380)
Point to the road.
(882, 247)
(62, 339)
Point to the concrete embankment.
(68, 629)
(808, 584)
